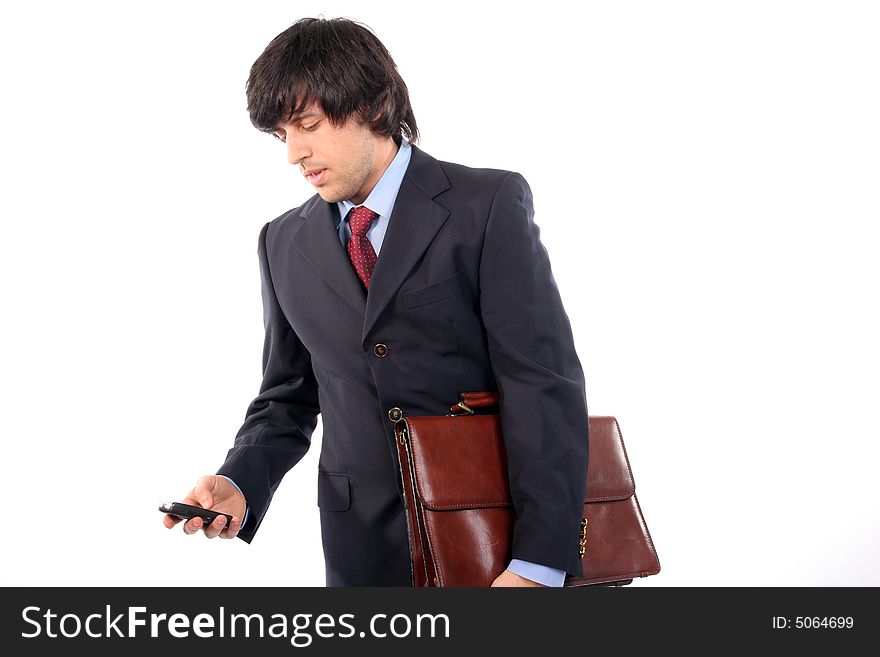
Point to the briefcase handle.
(472, 400)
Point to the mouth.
(315, 177)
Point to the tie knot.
(360, 219)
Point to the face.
(341, 162)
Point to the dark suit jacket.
(462, 299)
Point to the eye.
(279, 137)
(311, 128)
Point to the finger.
(192, 525)
(212, 530)
(170, 521)
(233, 529)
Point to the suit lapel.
(415, 221)
(319, 243)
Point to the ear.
(366, 119)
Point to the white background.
(705, 178)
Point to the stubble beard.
(351, 182)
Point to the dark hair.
(337, 62)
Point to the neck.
(386, 150)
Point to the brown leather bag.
(459, 511)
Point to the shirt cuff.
(243, 520)
(537, 573)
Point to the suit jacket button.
(381, 350)
(395, 414)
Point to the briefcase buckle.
(464, 407)
(583, 538)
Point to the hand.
(508, 578)
(218, 494)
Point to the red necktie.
(360, 250)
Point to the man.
(403, 282)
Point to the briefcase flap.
(609, 476)
(460, 462)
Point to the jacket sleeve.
(543, 404)
(279, 422)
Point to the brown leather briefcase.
(460, 514)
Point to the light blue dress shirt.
(381, 201)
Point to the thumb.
(203, 493)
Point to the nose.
(297, 149)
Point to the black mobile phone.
(187, 511)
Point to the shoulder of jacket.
(290, 219)
(476, 181)
(482, 174)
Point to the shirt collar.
(381, 198)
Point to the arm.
(279, 422)
(541, 384)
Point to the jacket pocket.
(435, 292)
(334, 492)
